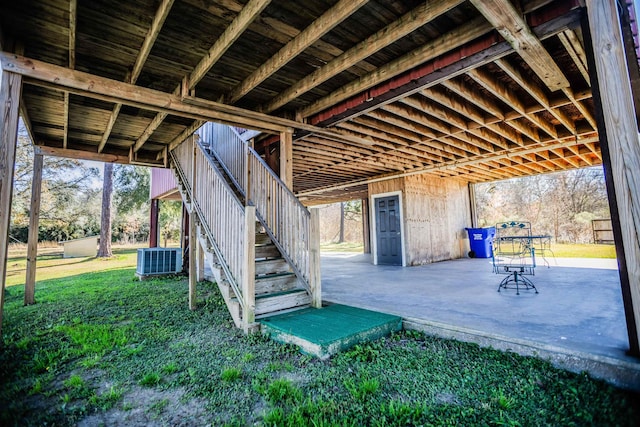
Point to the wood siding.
(162, 183)
(435, 214)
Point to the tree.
(170, 219)
(68, 196)
(559, 204)
(104, 250)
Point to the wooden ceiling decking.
(480, 89)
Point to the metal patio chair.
(514, 255)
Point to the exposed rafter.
(510, 24)
(318, 28)
(143, 54)
(73, 14)
(429, 50)
(576, 51)
(406, 24)
(536, 92)
(477, 160)
(77, 82)
(248, 13)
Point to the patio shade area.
(578, 311)
(476, 89)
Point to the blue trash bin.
(481, 242)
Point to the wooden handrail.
(222, 216)
(285, 219)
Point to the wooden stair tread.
(280, 293)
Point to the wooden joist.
(80, 83)
(472, 160)
(409, 22)
(510, 24)
(143, 54)
(429, 50)
(318, 28)
(222, 44)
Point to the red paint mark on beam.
(412, 75)
(358, 102)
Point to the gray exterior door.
(388, 238)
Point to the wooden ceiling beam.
(576, 51)
(410, 109)
(81, 155)
(430, 139)
(472, 95)
(536, 93)
(416, 143)
(404, 150)
(318, 28)
(422, 104)
(472, 113)
(430, 50)
(73, 15)
(485, 79)
(473, 160)
(411, 21)
(239, 24)
(80, 83)
(586, 113)
(560, 153)
(150, 38)
(511, 25)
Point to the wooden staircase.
(274, 285)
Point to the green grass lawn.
(560, 250)
(102, 348)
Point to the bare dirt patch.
(143, 407)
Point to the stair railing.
(292, 228)
(229, 226)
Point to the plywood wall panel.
(437, 211)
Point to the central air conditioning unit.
(156, 261)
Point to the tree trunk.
(104, 250)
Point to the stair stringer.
(212, 254)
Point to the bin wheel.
(472, 254)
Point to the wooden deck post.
(154, 214)
(286, 159)
(366, 226)
(32, 243)
(10, 89)
(620, 146)
(247, 173)
(248, 273)
(200, 266)
(193, 259)
(315, 281)
(193, 229)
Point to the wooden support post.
(193, 229)
(247, 173)
(10, 91)
(286, 159)
(32, 243)
(248, 273)
(620, 146)
(473, 210)
(366, 226)
(184, 238)
(315, 281)
(193, 259)
(200, 267)
(153, 223)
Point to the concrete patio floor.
(576, 320)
